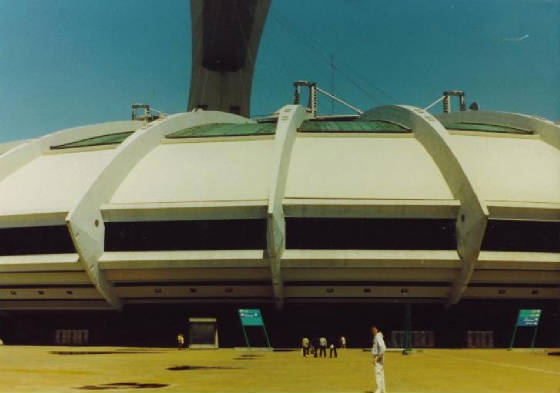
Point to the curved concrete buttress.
(473, 214)
(7, 146)
(290, 118)
(546, 129)
(23, 153)
(84, 220)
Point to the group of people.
(318, 347)
(377, 350)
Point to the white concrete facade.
(430, 173)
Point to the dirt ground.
(110, 369)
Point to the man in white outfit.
(378, 351)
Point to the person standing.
(332, 349)
(342, 342)
(305, 346)
(323, 347)
(378, 352)
(180, 341)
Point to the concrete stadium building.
(210, 207)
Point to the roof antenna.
(332, 82)
(313, 90)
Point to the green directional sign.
(528, 317)
(251, 317)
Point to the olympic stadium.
(323, 222)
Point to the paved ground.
(73, 369)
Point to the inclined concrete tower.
(225, 42)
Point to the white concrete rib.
(473, 214)
(85, 221)
(547, 130)
(290, 118)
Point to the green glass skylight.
(352, 126)
(109, 139)
(485, 128)
(225, 129)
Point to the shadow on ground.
(99, 352)
(248, 356)
(123, 385)
(182, 368)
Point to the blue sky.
(65, 63)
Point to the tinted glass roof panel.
(352, 126)
(485, 128)
(109, 139)
(225, 129)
